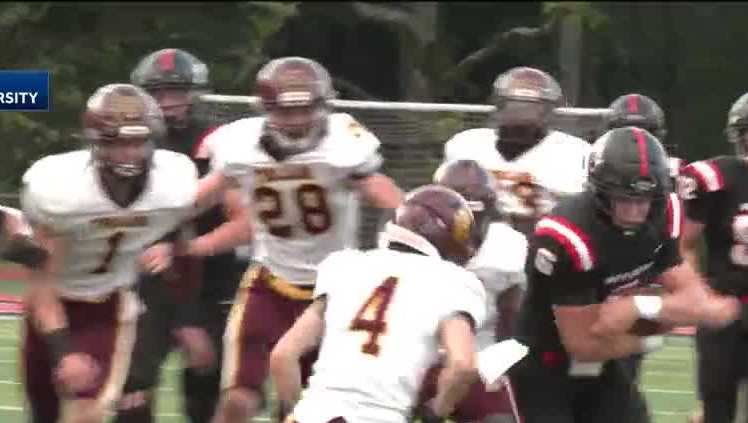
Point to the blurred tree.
(86, 45)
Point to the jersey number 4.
(311, 201)
(371, 317)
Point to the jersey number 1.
(113, 243)
(371, 317)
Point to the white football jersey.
(529, 185)
(381, 325)
(305, 206)
(103, 240)
(500, 265)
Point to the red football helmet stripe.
(633, 103)
(641, 142)
(166, 60)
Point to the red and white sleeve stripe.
(707, 174)
(674, 212)
(574, 240)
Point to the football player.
(304, 168)
(95, 211)
(586, 258)
(643, 112)
(533, 164)
(374, 347)
(193, 314)
(716, 202)
(499, 264)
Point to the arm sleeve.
(466, 295)
(366, 148)
(699, 191)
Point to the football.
(644, 327)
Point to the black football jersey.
(577, 257)
(715, 193)
(220, 278)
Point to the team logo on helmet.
(463, 221)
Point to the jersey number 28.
(311, 201)
(371, 317)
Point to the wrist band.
(648, 306)
(58, 344)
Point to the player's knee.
(135, 407)
(240, 404)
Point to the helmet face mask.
(524, 98)
(124, 157)
(175, 78)
(295, 93)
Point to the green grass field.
(668, 378)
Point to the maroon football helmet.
(477, 186)
(295, 93)
(434, 219)
(525, 98)
(122, 123)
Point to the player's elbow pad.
(24, 250)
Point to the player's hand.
(721, 310)
(196, 346)
(157, 257)
(77, 372)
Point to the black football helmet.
(640, 111)
(628, 162)
(737, 124)
(524, 98)
(175, 78)
(477, 186)
(433, 219)
(295, 94)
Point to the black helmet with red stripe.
(640, 111)
(628, 162)
(174, 78)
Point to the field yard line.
(669, 391)
(9, 382)
(655, 373)
(671, 413)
